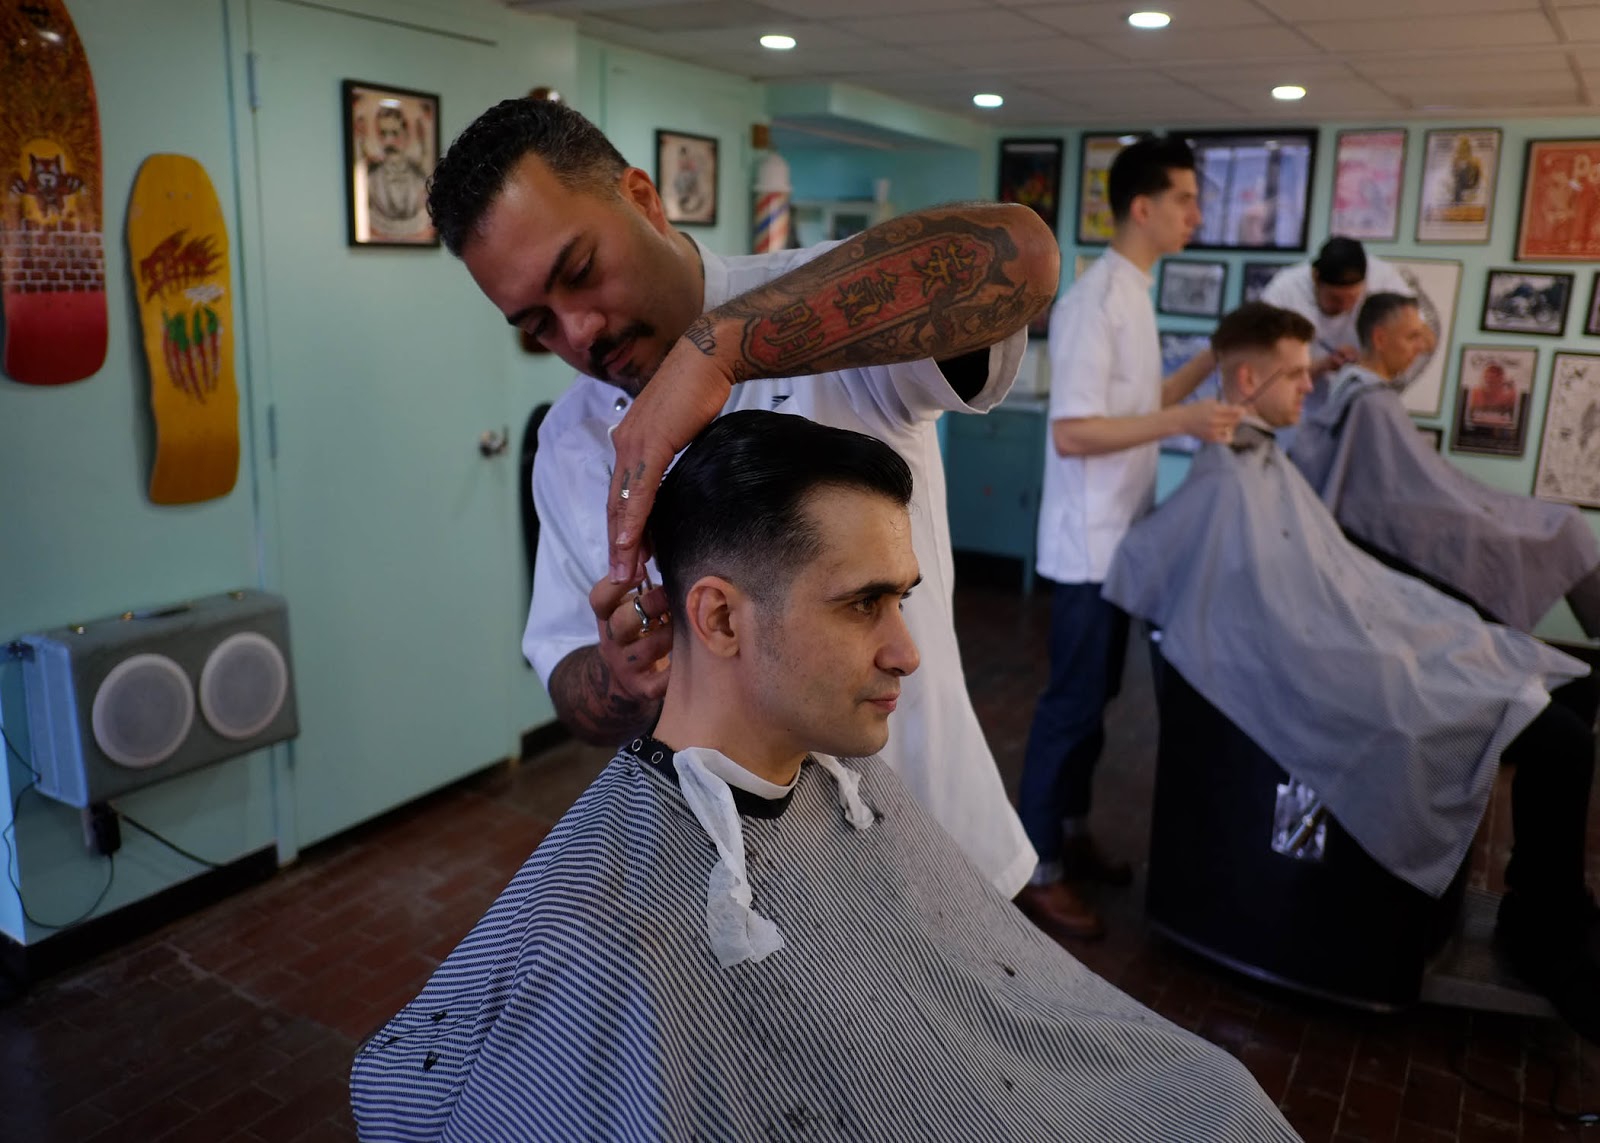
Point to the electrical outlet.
(102, 829)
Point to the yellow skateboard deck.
(178, 253)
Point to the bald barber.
(1328, 292)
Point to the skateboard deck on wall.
(178, 256)
(52, 261)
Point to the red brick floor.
(238, 1023)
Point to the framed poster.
(1518, 302)
(1591, 324)
(1190, 288)
(1176, 350)
(391, 145)
(1560, 217)
(1368, 172)
(1030, 173)
(1436, 284)
(1458, 175)
(1095, 224)
(1255, 188)
(1434, 437)
(1255, 276)
(686, 177)
(1492, 398)
(1569, 453)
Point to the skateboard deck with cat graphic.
(52, 260)
(178, 256)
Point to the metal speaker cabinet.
(135, 699)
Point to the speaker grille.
(143, 711)
(243, 685)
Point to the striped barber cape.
(910, 1000)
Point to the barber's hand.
(1209, 420)
(684, 396)
(636, 654)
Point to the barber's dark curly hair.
(474, 170)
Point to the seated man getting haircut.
(1394, 702)
(1510, 555)
(733, 935)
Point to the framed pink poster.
(1368, 170)
(1560, 202)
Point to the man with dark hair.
(736, 935)
(1509, 555)
(1389, 699)
(1328, 291)
(1109, 408)
(881, 334)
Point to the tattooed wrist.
(588, 704)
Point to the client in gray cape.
(736, 935)
(1393, 701)
(1509, 555)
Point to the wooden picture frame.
(1191, 287)
(1460, 167)
(1568, 468)
(1533, 302)
(1096, 152)
(1559, 216)
(1494, 388)
(1030, 174)
(687, 170)
(1591, 323)
(1368, 179)
(391, 145)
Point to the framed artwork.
(1368, 172)
(1436, 284)
(686, 177)
(1560, 216)
(1434, 437)
(1492, 399)
(1255, 276)
(1030, 173)
(1255, 188)
(1459, 169)
(391, 145)
(1591, 324)
(1191, 288)
(1515, 301)
(1569, 453)
(1176, 349)
(1081, 264)
(1095, 224)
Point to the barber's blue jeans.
(1088, 638)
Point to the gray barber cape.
(1388, 698)
(1512, 555)
(910, 1000)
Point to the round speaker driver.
(243, 685)
(143, 711)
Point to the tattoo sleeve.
(938, 283)
(580, 688)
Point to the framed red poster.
(1560, 220)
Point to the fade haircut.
(479, 163)
(1376, 311)
(1145, 166)
(1259, 326)
(734, 503)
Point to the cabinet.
(995, 468)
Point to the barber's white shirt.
(935, 742)
(1105, 361)
(1292, 288)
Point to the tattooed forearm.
(586, 703)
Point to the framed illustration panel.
(1434, 437)
(1560, 216)
(1459, 169)
(1569, 451)
(1368, 172)
(1591, 324)
(1030, 174)
(1176, 350)
(1436, 284)
(1255, 188)
(1517, 301)
(1496, 385)
(1095, 224)
(391, 145)
(686, 177)
(1191, 288)
(1255, 276)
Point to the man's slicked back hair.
(1145, 166)
(1376, 311)
(1258, 325)
(478, 164)
(734, 503)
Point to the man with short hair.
(882, 333)
(734, 934)
(1389, 699)
(1328, 292)
(1511, 556)
(1109, 408)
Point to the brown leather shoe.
(1082, 860)
(1060, 912)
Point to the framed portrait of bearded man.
(391, 145)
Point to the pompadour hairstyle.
(734, 503)
(1145, 166)
(1258, 325)
(1376, 311)
(475, 169)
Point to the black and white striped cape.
(910, 1001)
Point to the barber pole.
(771, 230)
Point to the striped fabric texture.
(910, 1002)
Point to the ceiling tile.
(1382, 9)
(1581, 26)
(1382, 69)
(683, 17)
(1493, 31)
(1220, 44)
(974, 25)
(1045, 52)
(832, 9)
(1102, 19)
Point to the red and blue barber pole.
(771, 230)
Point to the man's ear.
(712, 609)
(640, 193)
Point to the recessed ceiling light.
(987, 99)
(1149, 19)
(1289, 91)
(777, 43)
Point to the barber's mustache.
(604, 347)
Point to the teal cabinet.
(995, 467)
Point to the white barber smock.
(1292, 288)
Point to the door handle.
(493, 443)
